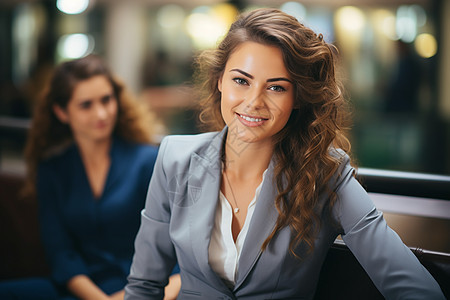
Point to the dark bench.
(405, 183)
(21, 252)
(342, 277)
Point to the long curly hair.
(304, 164)
(48, 134)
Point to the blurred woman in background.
(89, 161)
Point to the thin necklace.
(236, 210)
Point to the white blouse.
(223, 252)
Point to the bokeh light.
(72, 7)
(170, 16)
(350, 18)
(207, 25)
(426, 45)
(409, 19)
(76, 45)
(406, 24)
(384, 23)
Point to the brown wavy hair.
(48, 134)
(319, 123)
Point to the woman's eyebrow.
(243, 73)
(278, 79)
(268, 80)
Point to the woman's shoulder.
(58, 166)
(136, 148)
(133, 153)
(190, 143)
(339, 154)
(194, 139)
(59, 158)
(344, 169)
(343, 159)
(179, 148)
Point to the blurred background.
(395, 57)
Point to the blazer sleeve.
(392, 266)
(64, 259)
(154, 257)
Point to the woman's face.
(92, 110)
(257, 93)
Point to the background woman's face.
(257, 94)
(92, 110)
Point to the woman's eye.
(240, 81)
(277, 88)
(85, 104)
(106, 99)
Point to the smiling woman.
(91, 114)
(256, 103)
(92, 111)
(257, 96)
(250, 211)
(86, 133)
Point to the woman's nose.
(100, 111)
(256, 98)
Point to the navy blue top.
(87, 235)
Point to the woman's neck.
(96, 160)
(250, 162)
(94, 152)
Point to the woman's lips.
(101, 125)
(251, 121)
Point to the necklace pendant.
(236, 210)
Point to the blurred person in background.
(89, 159)
(251, 209)
(402, 93)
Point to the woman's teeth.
(251, 119)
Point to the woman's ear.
(60, 113)
(219, 84)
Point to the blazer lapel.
(261, 225)
(204, 184)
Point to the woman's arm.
(170, 291)
(65, 261)
(83, 287)
(118, 295)
(392, 266)
(67, 265)
(173, 288)
(154, 257)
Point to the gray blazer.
(179, 216)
